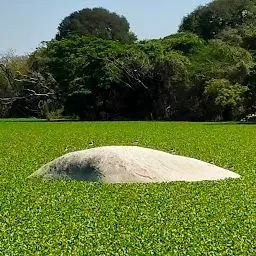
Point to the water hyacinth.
(81, 218)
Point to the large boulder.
(119, 164)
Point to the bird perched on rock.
(91, 143)
(67, 147)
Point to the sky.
(26, 23)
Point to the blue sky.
(25, 23)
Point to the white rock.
(120, 164)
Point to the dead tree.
(32, 87)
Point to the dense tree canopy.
(94, 71)
(210, 20)
(97, 22)
(243, 36)
(163, 79)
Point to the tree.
(22, 89)
(218, 60)
(11, 66)
(97, 22)
(78, 65)
(250, 96)
(227, 98)
(243, 36)
(97, 76)
(164, 79)
(210, 20)
(155, 80)
(186, 43)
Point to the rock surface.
(120, 164)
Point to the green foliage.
(159, 79)
(213, 18)
(225, 93)
(39, 59)
(80, 218)
(154, 72)
(55, 115)
(228, 98)
(78, 64)
(14, 66)
(244, 36)
(95, 70)
(219, 60)
(97, 22)
(183, 42)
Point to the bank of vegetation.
(96, 69)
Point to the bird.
(173, 151)
(91, 143)
(67, 147)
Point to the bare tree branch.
(132, 75)
(20, 88)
